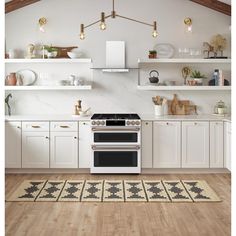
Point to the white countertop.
(46, 118)
(185, 117)
(147, 117)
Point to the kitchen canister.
(159, 111)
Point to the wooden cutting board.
(180, 107)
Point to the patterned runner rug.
(114, 191)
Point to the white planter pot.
(199, 80)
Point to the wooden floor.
(111, 219)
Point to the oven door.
(116, 136)
(116, 159)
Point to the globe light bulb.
(82, 36)
(154, 34)
(102, 26)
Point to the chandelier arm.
(113, 5)
(95, 22)
(138, 21)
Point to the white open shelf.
(184, 60)
(188, 88)
(54, 60)
(35, 88)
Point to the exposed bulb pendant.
(114, 15)
(154, 33)
(102, 24)
(82, 35)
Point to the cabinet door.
(216, 144)
(63, 150)
(195, 144)
(227, 145)
(167, 145)
(85, 138)
(146, 144)
(13, 144)
(35, 149)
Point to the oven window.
(115, 137)
(115, 158)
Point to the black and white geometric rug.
(114, 191)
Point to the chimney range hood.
(115, 57)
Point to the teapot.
(154, 76)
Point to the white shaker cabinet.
(146, 141)
(216, 144)
(35, 144)
(64, 145)
(227, 145)
(166, 144)
(195, 144)
(85, 151)
(13, 144)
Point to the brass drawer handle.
(64, 126)
(36, 126)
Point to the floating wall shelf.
(181, 88)
(39, 88)
(185, 60)
(54, 60)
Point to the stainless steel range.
(116, 143)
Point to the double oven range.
(116, 143)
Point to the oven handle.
(95, 147)
(118, 129)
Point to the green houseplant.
(51, 51)
(152, 54)
(197, 77)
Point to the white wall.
(112, 92)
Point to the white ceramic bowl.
(74, 55)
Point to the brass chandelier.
(114, 15)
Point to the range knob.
(93, 123)
(128, 123)
(137, 122)
(103, 122)
(98, 122)
(133, 122)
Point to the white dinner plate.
(164, 50)
(28, 77)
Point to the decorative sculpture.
(217, 44)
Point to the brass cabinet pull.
(36, 126)
(47, 137)
(75, 137)
(64, 126)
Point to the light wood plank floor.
(113, 219)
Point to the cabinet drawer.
(64, 126)
(13, 124)
(35, 126)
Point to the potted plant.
(152, 54)
(51, 51)
(197, 77)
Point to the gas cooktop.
(114, 116)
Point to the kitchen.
(121, 110)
